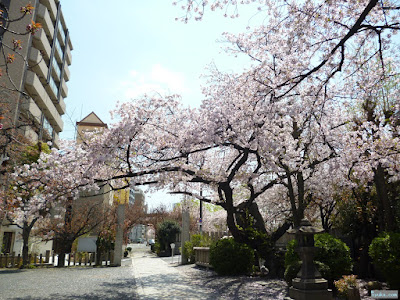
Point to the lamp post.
(309, 284)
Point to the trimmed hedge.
(384, 250)
(332, 258)
(229, 257)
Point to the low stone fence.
(202, 256)
(50, 259)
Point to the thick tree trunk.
(245, 209)
(297, 204)
(280, 231)
(259, 223)
(26, 231)
(65, 247)
(98, 256)
(61, 260)
(25, 246)
(64, 241)
(380, 182)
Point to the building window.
(61, 28)
(7, 242)
(58, 47)
(47, 128)
(53, 86)
(56, 67)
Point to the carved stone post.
(185, 233)
(308, 285)
(119, 235)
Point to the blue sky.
(133, 46)
(125, 48)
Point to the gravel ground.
(244, 287)
(235, 287)
(69, 283)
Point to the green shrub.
(188, 251)
(324, 270)
(291, 256)
(332, 258)
(156, 248)
(196, 240)
(229, 257)
(384, 250)
(335, 254)
(291, 271)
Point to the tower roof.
(92, 120)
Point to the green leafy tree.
(166, 233)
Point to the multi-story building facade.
(136, 195)
(34, 85)
(40, 71)
(139, 232)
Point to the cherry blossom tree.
(328, 43)
(44, 184)
(280, 127)
(24, 203)
(238, 145)
(321, 38)
(376, 136)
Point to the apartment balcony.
(56, 140)
(45, 20)
(30, 108)
(37, 63)
(51, 7)
(67, 74)
(55, 73)
(64, 89)
(61, 107)
(41, 43)
(39, 94)
(68, 58)
(51, 90)
(61, 37)
(61, 31)
(70, 44)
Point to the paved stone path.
(69, 283)
(158, 278)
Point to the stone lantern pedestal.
(309, 284)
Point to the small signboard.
(87, 244)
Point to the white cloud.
(157, 80)
(174, 80)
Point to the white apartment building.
(43, 72)
(35, 84)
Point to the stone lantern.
(309, 284)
